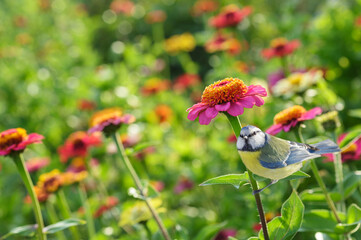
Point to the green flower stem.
(319, 180)
(54, 219)
(88, 214)
(237, 126)
(138, 184)
(65, 211)
(20, 164)
(186, 61)
(339, 177)
(285, 66)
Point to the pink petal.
(194, 111)
(223, 107)
(4, 152)
(236, 109)
(274, 129)
(247, 102)
(329, 157)
(310, 114)
(287, 127)
(211, 112)
(258, 101)
(203, 119)
(256, 90)
(294, 122)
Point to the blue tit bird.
(275, 158)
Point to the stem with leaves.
(88, 214)
(339, 177)
(319, 180)
(20, 164)
(237, 126)
(139, 186)
(54, 219)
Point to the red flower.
(223, 42)
(77, 145)
(122, 6)
(15, 140)
(230, 95)
(230, 15)
(154, 85)
(290, 117)
(225, 233)
(86, 105)
(204, 6)
(185, 81)
(110, 202)
(182, 185)
(352, 153)
(280, 47)
(156, 16)
(109, 120)
(358, 21)
(37, 163)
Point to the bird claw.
(260, 190)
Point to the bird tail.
(326, 146)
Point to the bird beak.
(245, 137)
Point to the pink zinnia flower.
(36, 163)
(16, 139)
(230, 15)
(223, 42)
(351, 153)
(280, 47)
(290, 117)
(225, 233)
(230, 95)
(77, 145)
(183, 184)
(185, 81)
(109, 120)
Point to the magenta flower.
(183, 184)
(290, 117)
(36, 163)
(351, 153)
(225, 233)
(230, 95)
(16, 140)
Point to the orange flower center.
(296, 78)
(50, 182)
(226, 90)
(104, 115)
(289, 114)
(352, 148)
(278, 42)
(12, 136)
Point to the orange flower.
(154, 85)
(156, 16)
(109, 120)
(68, 178)
(280, 47)
(223, 42)
(204, 6)
(230, 15)
(164, 113)
(40, 193)
(50, 181)
(180, 43)
(122, 6)
(86, 105)
(15, 140)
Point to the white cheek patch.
(257, 141)
(240, 143)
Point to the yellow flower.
(50, 181)
(139, 212)
(180, 43)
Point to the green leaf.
(316, 195)
(231, 238)
(353, 220)
(355, 113)
(25, 231)
(350, 138)
(59, 226)
(237, 180)
(322, 220)
(253, 238)
(209, 231)
(351, 182)
(297, 175)
(287, 225)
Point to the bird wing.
(301, 152)
(275, 153)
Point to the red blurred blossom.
(156, 16)
(77, 145)
(280, 47)
(225, 233)
(230, 15)
(164, 113)
(290, 117)
(230, 95)
(154, 85)
(351, 153)
(15, 140)
(157, 185)
(77, 165)
(40, 193)
(232, 138)
(269, 216)
(185, 81)
(182, 185)
(358, 21)
(122, 6)
(86, 105)
(144, 152)
(44, 4)
(223, 42)
(36, 163)
(242, 67)
(204, 6)
(109, 120)
(110, 202)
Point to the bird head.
(251, 139)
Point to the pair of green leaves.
(30, 230)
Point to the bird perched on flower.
(276, 158)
